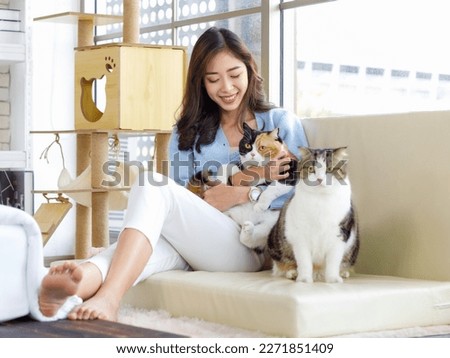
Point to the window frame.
(271, 50)
(278, 53)
(272, 37)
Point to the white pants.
(185, 232)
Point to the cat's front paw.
(305, 279)
(291, 274)
(259, 207)
(334, 279)
(246, 236)
(247, 228)
(318, 276)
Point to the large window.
(318, 57)
(366, 56)
(338, 57)
(181, 22)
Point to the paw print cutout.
(110, 65)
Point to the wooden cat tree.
(144, 88)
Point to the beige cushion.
(280, 307)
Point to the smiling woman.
(161, 231)
(224, 89)
(226, 82)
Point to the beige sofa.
(400, 173)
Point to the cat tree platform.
(143, 90)
(144, 87)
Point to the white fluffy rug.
(193, 327)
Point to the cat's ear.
(247, 132)
(275, 134)
(340, 153)
(304, 152)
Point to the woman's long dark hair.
(200, 116)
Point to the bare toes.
(60, 283)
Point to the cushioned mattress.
(280, 307)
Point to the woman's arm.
(223, 196)
(181, 162)
(292, 132)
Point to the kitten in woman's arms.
(316, 234)
(256, 220)
(256, 149)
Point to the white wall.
(52, 72)
(19, 95)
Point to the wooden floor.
(28, 328)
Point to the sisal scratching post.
(131, 21)
(84, 213)
(131, 15)
(83, 241)
(161, 153)
(100, 230)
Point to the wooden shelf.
(69, 191)
(127, 132)
(124, 44)
(73, 18)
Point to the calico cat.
(255, 149)
(316, 235)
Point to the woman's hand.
(277, 168)
(223, 197)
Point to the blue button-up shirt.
(185, 163)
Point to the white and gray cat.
(255, 149)
(316, 235)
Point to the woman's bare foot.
(60, 283)
(98, 307)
